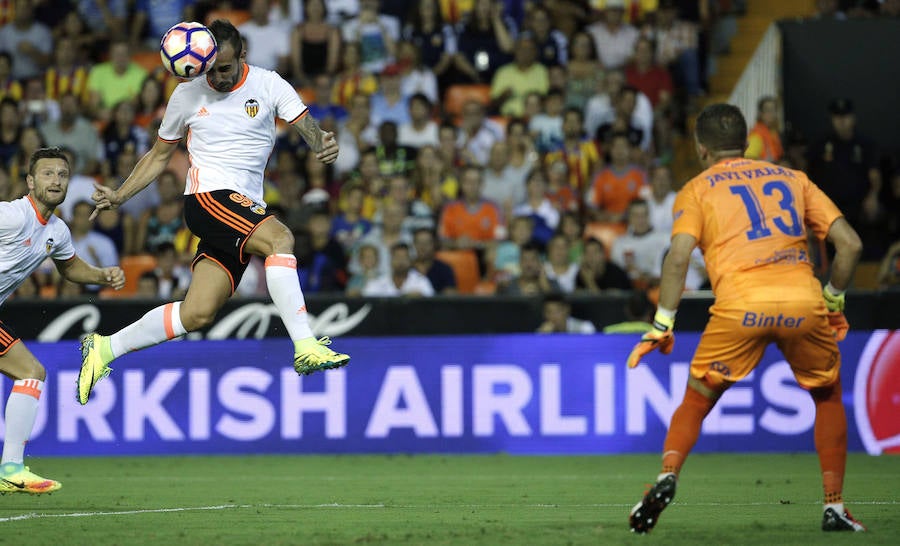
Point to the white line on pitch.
(35, 515)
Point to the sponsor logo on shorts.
(721, 368)
(762, 320)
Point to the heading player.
(29, 234)
(750, 219)
(228, 117)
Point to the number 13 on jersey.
(759, 224)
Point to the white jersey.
(26, 240)
(230, 135)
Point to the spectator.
(35, 107)
(617, 184)
(558, 267)
(539, 207)
(503, 184)
(476, 135)
(648, 77)
(121, 134)
(415, 76)
(352, 80)
(547, 125)
(513, 81)
(113, 81)
(448, 142)
(438, 273)
(403, 280)
(399, 193)
(30, 139)
(135, 207)
(147, 286)
(596, 273)
(889, 270)
(174, 278)
(355, 134)
(348, 227)
(81, 187)
(764, 142)
(485, 41)
(636, 122)
(94, 248)
(638, 316)
(506, 254)
(370, 178)
(162, 223)
(393, 158)
(106, 19)
(83, 40)
(638, 250)
(614, 38)
(660, 198)
(377, 35)
(388, 104)
(329, 114)
(383, 237)
(315, 45)
(584, 71)
(677, 44)
(581, 155)
(9, 86)
(568, 15)
(65, 75)
(150, 103)
(558, 318)
(435, 180)
(368, 270)
(10, 130)
(532, 280)
(434, 40)
(552, 45)
(471, 221)
(845, 165)
(572, 229)
(29, 41)
(268, 43)
(323, 262)
(420, 130)
(158, 16)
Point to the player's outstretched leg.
(646, 513)
(831, 446)
(310, 354)
(156, 326)
(17, 478)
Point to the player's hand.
(834, 303)
(114, 277)
(329, 153)
(839, 325)
(105, 198)
(660, 337)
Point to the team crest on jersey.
(251, 107)
(258, 209)
(49, 245)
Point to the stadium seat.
(605, 232)
(459, 94)
(236, 16)
(134, 267)
(465, 268)
(485, 288)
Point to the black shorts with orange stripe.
(8, 338)
(223, 220)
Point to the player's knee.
(34, 370)
(196, 318)
(283, 241)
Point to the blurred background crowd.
(487, 146)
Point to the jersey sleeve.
(288, 104)
(63, 248)
(687, 213)
(174, 122)
(820, 211)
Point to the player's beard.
(51, 199)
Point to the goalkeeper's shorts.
(737, 335)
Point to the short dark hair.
(224, 32)
(556, 297)
(722, 127)
(400, 246)
(45, 153)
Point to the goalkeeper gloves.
(660, 337)
(836, 319)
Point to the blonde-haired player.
(228, 117)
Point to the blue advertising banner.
(522, 394)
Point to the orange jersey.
(481, 223)
(750, 219)
(612, 191)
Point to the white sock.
(21, 411)
(284, 288)
(159, 324)
(837, 506)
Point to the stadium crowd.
(487, 146)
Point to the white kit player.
(228, 117)
(29, 234)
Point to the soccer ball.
(188, 50)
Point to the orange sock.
(685, 429)
(831, 440)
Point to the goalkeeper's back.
(750, 219)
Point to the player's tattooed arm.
(321, 142)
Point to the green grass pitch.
(263, 500)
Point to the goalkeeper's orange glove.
(836, 319)
(660, 337)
